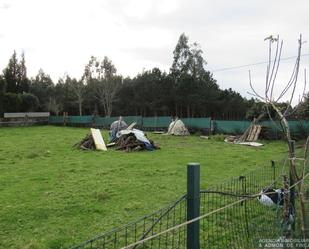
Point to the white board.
(130, 127)
(254, 144)
(28, 114)
(98, 139)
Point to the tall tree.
(78, 89)
(188, 59)
(23, 81)
(11, 74)
(302, 109)
(2, 92)
(15, 75)
(181, 56)
(103, 76)
(42, 86)
(190, 77)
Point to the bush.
(29, 102)
(11, 102)
(25, 102)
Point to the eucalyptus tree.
(101, 78)
(42, 86)
(15, 75)
(194, 85)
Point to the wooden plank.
(26, 114)
(158, 132)
(98, 139)
(254, 144)
(131, 126)
(257, 133)
(249, 138)
(251, 133)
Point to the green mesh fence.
(55, 119)
(299, 128)
(201, 123)
(231, 127)
(109, 120)
(130, 119)
(99, 121)
(104, 121)
(157, 122)
(80, 119)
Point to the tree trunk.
(188, 111)
(176, 110)
(80, 108)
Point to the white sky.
(59, 36)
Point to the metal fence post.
(193, 205)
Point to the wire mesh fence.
(244, 224)
(156, 222)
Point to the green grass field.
(53, 196)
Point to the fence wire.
(242, 225)
(146, 226)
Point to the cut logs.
(129, 142)
(86, 143)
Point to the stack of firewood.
(87, 143)
(129, 142)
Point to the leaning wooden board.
(98, 139)
(130, 127)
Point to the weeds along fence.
(299, 128)
(227, 215)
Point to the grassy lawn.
(53, 196)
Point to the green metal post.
(193, 205)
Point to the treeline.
(187, 90)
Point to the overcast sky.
(59, 36)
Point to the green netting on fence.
(130, 119)
(107, 121)
(156, 122)
(231, 127)
(104, 121)
(299, 128)
(201, 123)
(55, 119)
(80, 119)
(148, 122)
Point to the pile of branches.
(87, 143)
(129, 142)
